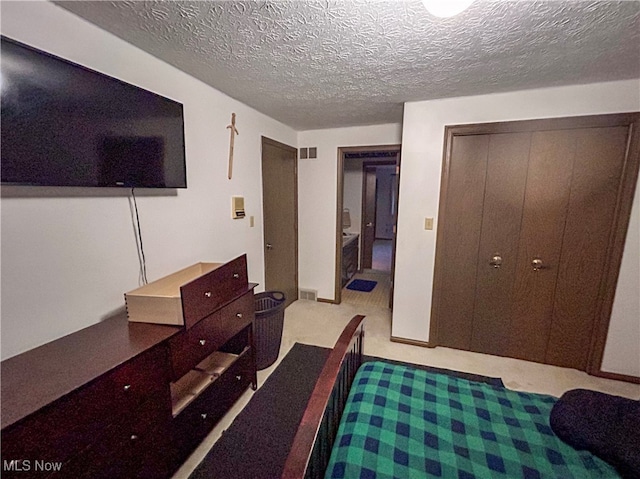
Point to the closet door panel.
(545, 211)
(594, 191)
(461, 237)
(501, 222)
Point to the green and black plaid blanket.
(404, 423)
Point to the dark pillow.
(607, 426)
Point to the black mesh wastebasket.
(268, 327)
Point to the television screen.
(66, 125)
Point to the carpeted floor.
(258, 441)
(379, 297)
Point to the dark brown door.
(591, 214)
(280, 208)
(526, 240)
(547, 195)
(368, 216)
(498, 246)
(459, 247)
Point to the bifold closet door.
(486, 190)
(506, 178)
(530, 222)
(546, 201)
(589, 220)
(465, 198)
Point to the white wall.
(621, 354)
(67, 260)
(422, 145)
(317, 186)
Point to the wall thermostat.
(237, 207)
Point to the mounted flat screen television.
(66, 125)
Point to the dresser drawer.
(61, 430)
(205, 294)
(236, 316)
(195, 422)
(193, 345)
(138, 448)
(142, 379)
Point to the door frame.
(342, 152)
(269, 141)
(629, 179)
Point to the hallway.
(382, 255)
(378, 298)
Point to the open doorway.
(366, 224)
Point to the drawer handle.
(134, 437)
(239, 315)
(238, 378)
(203, 416)
(208, 294)
(203, 342)
(236, 275)
(127, 387)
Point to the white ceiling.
(334, 63)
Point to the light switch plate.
(428, 223)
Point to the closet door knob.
(496, 261)
(203, 342)
(236, 275)
(239, 315)
(208, 294)
(537, 264)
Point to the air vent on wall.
(310, 294)
(310, 153)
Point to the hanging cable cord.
(138, 235)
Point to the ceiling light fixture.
(446, 8)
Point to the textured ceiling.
(333, 63)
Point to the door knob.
(537, 264)
(369, 225)
(269, 246)
(496, 260)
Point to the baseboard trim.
(324, 300)
(617, 377)
(412, 342)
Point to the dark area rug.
(257, 443)
(363, 285)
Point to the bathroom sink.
(348, 238)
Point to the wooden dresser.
(130, 400)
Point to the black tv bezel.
(183, 185)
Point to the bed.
(382, 420)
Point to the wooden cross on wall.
(234, 132)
